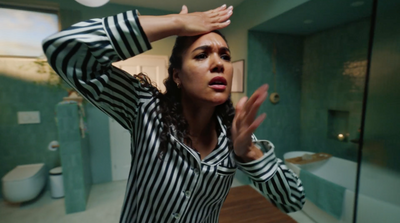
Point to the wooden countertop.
(244, 204)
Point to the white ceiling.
(176, 5)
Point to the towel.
(325, 194)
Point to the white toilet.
(24, 182)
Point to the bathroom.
(317, 55)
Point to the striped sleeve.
(272, 178)
(83, 55)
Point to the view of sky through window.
(22, 31)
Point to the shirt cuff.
(263, 169)
(126, 34)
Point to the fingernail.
(224, 5)
(230, 7)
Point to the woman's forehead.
(209, 39)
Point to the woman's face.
(206, 74)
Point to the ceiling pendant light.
(92, 3)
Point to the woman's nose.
(217, 65)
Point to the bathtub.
(379, 198)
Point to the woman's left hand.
(245, 123)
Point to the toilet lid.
(22, 172)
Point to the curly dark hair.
(170, 101)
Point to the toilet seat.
(23, 172)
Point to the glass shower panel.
(314, 57)
(379, 179)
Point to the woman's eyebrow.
(208, 47)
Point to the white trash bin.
(56, 183)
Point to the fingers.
(214, 19)
(221, 8)
(242, 137)
(252, 128)
(253, 104)
(246, 110)
(251, 114)
(249, 130)
(221, 14)
(244, 123)
(184, 10)
(251, 107)
(238, 113)
(223, 25)
(240, 104)
(254, 97)
(226, 16)
(221, 20)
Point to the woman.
(188, 142)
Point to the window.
(22, 30)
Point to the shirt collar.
(220, 152)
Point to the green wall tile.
(282, 125)
(333, 79)
(317, 73)
(75, 157)
(27, 144)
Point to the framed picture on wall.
(238, 76)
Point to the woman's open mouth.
(218, 83)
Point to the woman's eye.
(201, 56)
(226, 57)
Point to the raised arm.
(83, 54)
(257, 159)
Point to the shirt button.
(187, 194)
(176, 215)
(196, 171)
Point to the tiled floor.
(104, 206)
(300, 217)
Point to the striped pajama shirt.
(180, 187)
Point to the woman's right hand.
(184, 23)
(198, 23)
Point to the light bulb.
(92, 3)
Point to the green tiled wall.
(27, 143)
(282, 125)
(317, 76)
(75, 157)
(87, 170)
(334, 66)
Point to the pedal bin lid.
(56, 171)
